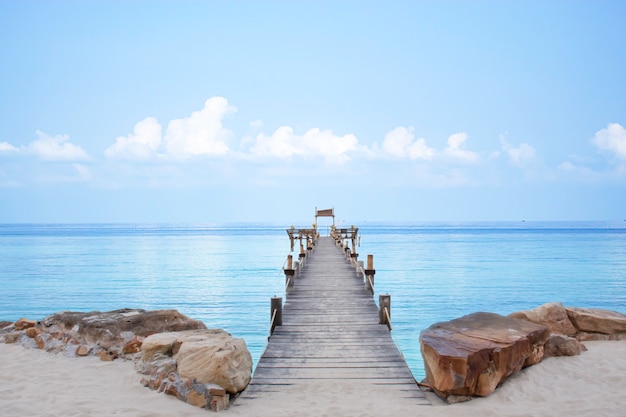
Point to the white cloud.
(281, 144)
(399, 143)
(202, 132)
(56, 148)
(7, 147)
(83, 171)
(142, 144)
(612, 139)
(520, 155)
(284, 143)
(256, 124)
(455, 150)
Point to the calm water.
(225, 276)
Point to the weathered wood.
(384, 309)
(330, 332)
(276, 313)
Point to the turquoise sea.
(226, 275)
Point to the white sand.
(35, 383)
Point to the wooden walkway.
(331, 334)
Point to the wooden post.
(369, 274)
(302, 254)
(289, 272)
(276, 313)
(354, 256)
(384, 302)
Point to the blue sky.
(260, 111)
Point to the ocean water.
(226, 275)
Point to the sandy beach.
(37, 383)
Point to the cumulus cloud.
(284, 143)
(56, 148)
(455, 149)
(7, 147)
(612, 139)
(142, 144)
(201, 133)
(518, 156)
(399, 143)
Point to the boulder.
(552, 315)
(113, 330)
(473, 354)
(23, 324)
(596, 320)
(202, 367)
(216, 359)
(560, 345)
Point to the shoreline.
(38, 383)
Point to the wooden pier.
(329, 330)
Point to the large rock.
(581, 323)
(471, 355)
(552, 315)
(112, 330)
(596, 320)
(215, 359)
(197, 366)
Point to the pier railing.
(343, 238)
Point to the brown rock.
(23, 324)
(108, 329)
(106, 356)
(82, 350)
(552, 315)
(170, 389)
(199, 400)
(471, 355)
(217, 392)
(33, 331)
(596, 320)
(41, 343)
(219, 403)
(4, 324)
(133, 346)
(559, 345)
(585, 336)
